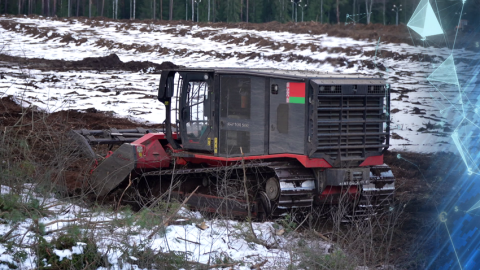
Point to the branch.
(61, 220)
(155, 231)
(322, 236)
(246, 195)
(129, 184)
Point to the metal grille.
(376, 89)
(330, 89)
(350, 125)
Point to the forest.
(385, 12)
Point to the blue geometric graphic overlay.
(424, 21)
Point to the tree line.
(255, 11)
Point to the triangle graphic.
(418, 19)
(420, 9)
(418, 30)
(446, 72)
(424, 21)
(475, 206)
(432, 26)
(417, 22)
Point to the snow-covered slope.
(414, 102)
(119, 242)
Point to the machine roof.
(320, 77)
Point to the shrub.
(337, 260)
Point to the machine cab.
(219, 113)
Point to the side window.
(235, 97)
(198, 109)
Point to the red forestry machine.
(259, 140)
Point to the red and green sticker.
(295, 92)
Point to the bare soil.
(110, 62)
(48, 134)
(359, 31)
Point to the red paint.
(95, 165)
(180, 161)
(331, 194)
(160, 136)
(109, 154)
(152, 155)
(295, 89)
(372, 161)
(218, 161)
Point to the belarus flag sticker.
(295, 92)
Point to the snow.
(222, 238)
(124, 92)
(308, 184)
(387, 174)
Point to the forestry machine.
(259, 140)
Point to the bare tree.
(247, 11)
(353, 11)
(170, 12)
(338, 12)
(368, 7)
(321, 11)
(384, 12)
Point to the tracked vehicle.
(292, 139)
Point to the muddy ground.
(110, 62)
(387, 33)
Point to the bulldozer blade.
(113, 170)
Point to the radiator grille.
(376, 89)
(330, 89)
(350, 125)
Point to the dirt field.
(387, 33)
(110, 62)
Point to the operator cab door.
(242, 126)
(287, 117)
(195, 114)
